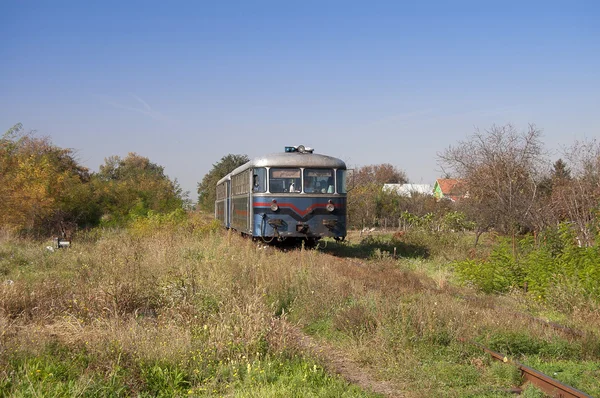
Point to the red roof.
(451, 187)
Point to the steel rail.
(547, 384)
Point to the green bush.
(553, 264)
(497, 274)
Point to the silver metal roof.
(294, 159)
(226, 178)
(290, 159)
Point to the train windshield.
(318, 181)
(284, 180)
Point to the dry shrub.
(7, 331)
(241, 327)
(283, 338)
(329, 283)
(106, 339)
(429, 318)
(30, 300)
(587, 317)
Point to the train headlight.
(330, 206)
(274, 205)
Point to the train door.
(222, 203)
(228, 204)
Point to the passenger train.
(295, 194)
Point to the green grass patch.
(72, 373)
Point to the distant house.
(409, 190)
(449, 188)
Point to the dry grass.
(152, 298)
(197, 296)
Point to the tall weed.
(545, 269)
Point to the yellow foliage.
(32, 180)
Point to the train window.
(221, 191)
(341, 181)
(318, 181)
(259, 180)
(240, 183)
(284, 180)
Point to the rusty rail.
(547, 384)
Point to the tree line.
(510, 183)
(44, 190)
(512, 186)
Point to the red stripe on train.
(293, 207)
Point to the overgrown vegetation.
(169, 307)
(175, 306)
(555, 263)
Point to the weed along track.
(547, 384)
(405, 332)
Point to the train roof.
(295, 159)
(291, 159)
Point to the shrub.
(552, 266)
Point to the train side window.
(221, 191)
(259, 180)
(341, 181)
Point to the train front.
(299, 195)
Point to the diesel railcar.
(296, 194)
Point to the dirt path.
(335, 361)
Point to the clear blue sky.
(186, 83)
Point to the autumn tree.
(367, 203)
(501, 168)
(133, 186)
(42, 186)
(207, 187)
(378, 174)
(362, 205)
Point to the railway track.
(545, 383)
(548, 385)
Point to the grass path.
(335, 361)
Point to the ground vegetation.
(173, 305)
